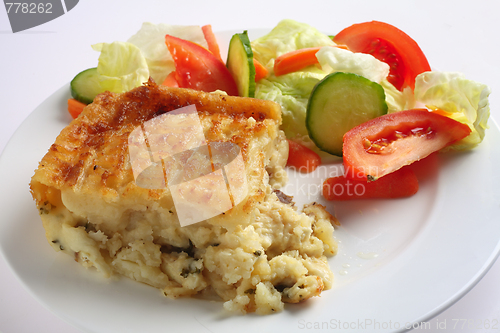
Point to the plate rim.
(488, 263)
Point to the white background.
(455, 35)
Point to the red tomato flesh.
(171, 80)
(399, 184)
(197, 68)
(390, 45)
(387, 143)
(302, 158)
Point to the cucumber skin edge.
(75, 91)
(245, 43)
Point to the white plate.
(400, 262)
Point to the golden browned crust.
(94, 146)
(254, 256)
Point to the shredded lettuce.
(121, 66)
(465, 100)
(150, 39)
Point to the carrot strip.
(261, 72)
(75, 107)
(398, 184)
(213, 46)
(302, 158)
(171, 80)
(442, 112)
(296, 60)
(342, 46)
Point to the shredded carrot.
(296, 60)
(171, 80)
(213, 46)
(75, 107)
(342, 46)
(261, 72)
(441, 112)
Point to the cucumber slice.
(240, 64)
(85, 86)
(338, 103)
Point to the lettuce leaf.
(334, 59)
(121, 66)
(396, 100)
(466, 101)
(287, 36)
(150, 39)
(292, 90)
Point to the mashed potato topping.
(255, 257)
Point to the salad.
(366, 95)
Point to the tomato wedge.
(387, 143)
(399, 184)
(171, 80)
(302, 158)
(388, 44)
(197, 68)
